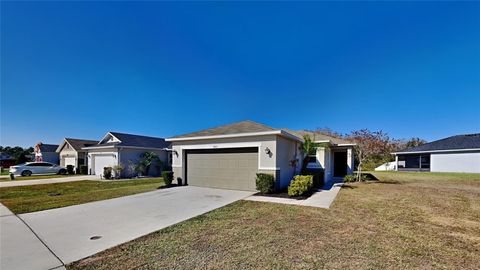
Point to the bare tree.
(369, 144)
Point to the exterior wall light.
(267, 151)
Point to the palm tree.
(308, 147)
(147, 159)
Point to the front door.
(339, 164)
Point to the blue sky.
(80, 69)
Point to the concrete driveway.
(68, 231)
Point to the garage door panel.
(102, 161)
(223, 170)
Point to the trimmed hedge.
(265, 183)
(83, 169)
(167, 177)
(300, 185)
(318, 176)
(107, 172)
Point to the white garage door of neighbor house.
(223, 168)
(70, 161)
(102, 161)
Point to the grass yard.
(37, 177)
(403, 221)
(25, 199)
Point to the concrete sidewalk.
(16, 183)
(20, 247)
(323, 198)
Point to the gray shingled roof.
(317, 136)
(48, 147)
(78, 144)
(458, 142)
(235, 128)
(137, 141)
(251, 127)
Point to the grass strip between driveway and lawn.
(402, 221)
(38, 177)
(25, 199)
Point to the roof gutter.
(237, 135)
(437, 151)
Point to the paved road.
(67, 231)
(16, 183)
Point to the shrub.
(265, 182)
(118, 170)
(107, 172)
(70, 169)
(349, 178)
(167, 177)
(318, 176)
(83, 169)
(300, 185)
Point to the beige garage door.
(225, 168)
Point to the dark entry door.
(339, 164)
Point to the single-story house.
(117, 148)
(71, 152)
(460, 153)
(49, 153)
(229, 156)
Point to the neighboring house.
(459, 153)
(71, 152)
(387, 166)
(229, 156)
(49, 153)
(125, 149)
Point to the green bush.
(83, 169)
(349, 178)
(300, 185)
(265, 182)
(167, 177)
(107, 172)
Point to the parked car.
(29, 168)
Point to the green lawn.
(403, 221)
(26, 199)
(5, 172)
(37, 177)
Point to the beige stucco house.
(71, 153)
(229, 156)
(124, 149)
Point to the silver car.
(29, 168)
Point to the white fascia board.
(346, 144)
(437, 151)
(122, 147)
(98, 147)
(237, 135)
(59, 148)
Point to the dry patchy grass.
(403, 221)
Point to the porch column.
(350, 161)
(396, 163)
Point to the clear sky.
(80, 69)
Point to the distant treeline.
(17, 153)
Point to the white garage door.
(102, 161)
(70, 161)
(223, 168)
